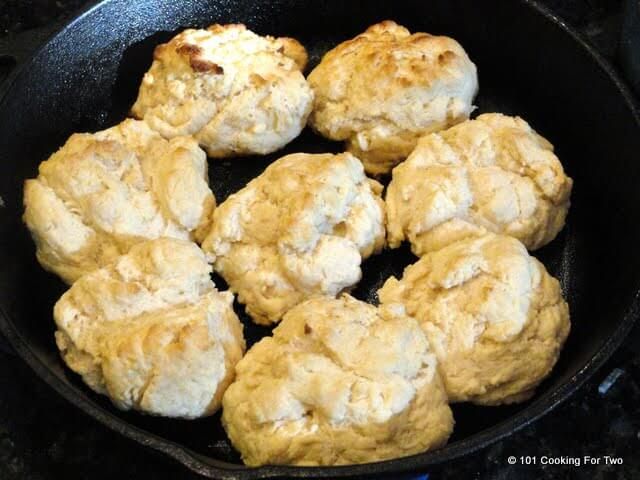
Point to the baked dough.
(300, 229)
(339, 382)
(235, 92)
(490, 174)
(493, 315)
(102, 193)
(152, 332)
(383, 89)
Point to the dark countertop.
(44, 437)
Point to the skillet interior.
(86, 78)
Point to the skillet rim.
(212, 468)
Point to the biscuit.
(339, 382)
(151, 331)
(383, 89)
(494, 173)
(235, 92)
(494, 317)
(300, 229)
(102, 193)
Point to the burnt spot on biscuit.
(446, 57)
(257, 80)
(198, 64)
(205, 66)
(189, 49)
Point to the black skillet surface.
(86, 77)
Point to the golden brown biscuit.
(302, 228)
(152, 332)
(339, 382)
(383, 89)
(494, 173)
(493, 315)
(104, 192)
(235, 92)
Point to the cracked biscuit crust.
(383, 89)
(494, 173)
(300, 229)
(493, 315)
(152, 332)
(235, 92)
(102, 193)
(339, 382)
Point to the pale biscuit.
(235, 92)
(152, 332)
(383, 89)
(300, 229)
(494, 173)
(493, 315)
(339, 382)
(102, 193)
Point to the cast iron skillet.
(530, 63)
